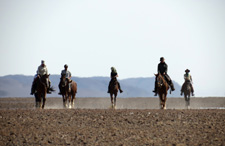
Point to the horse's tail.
(51, 89)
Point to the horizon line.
(75, 76)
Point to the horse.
(162, 88)
(113, 90)
(187, 93)
(41, 90)
(68, 89)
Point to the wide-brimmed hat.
(187, 70)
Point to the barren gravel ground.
(21, 124)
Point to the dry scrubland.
(136, 121)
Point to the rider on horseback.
(65, 73)
(187, 80)
(114, 75)
(162, 69)
(42, 70)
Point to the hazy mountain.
(20, 85)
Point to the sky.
(91, 36)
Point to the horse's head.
(64, 81)
(160, 80)
(44, 78)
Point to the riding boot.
(182, 89)
(192, 90)
(155, 88)
(121, 91)
(171, 85)
(48, 87)
(60, 90)
(109, 87)
(32, 89)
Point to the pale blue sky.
(93, 35)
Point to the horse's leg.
(44, 99)
(64, 101)
(38, 101)
(73, 99)
(111, 95)
(160, 100)
(74, 91)
(69, 96)
(165, 101)
(189, 100)
(115, 95)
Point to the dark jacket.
(162, 68)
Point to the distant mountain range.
(20, 85)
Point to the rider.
(187, 79)
(42, 70)
(162, 69)
(114, 75)
(65, 73)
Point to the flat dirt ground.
(136, 121)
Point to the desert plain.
(135, 121)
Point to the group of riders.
(162, 69)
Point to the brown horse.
(113, 90)
(69, 89)
(187, 93)
(162, 88)
(41, 90)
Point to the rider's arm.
(70, 75)
(166, 68)
(46, 70)
(38, 72)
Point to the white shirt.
(42, 70)
(67, 73)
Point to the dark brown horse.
(68, 90)
(187, 93)
(113, 90)
(162, 88)
(41, 90)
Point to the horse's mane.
(163, 79)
